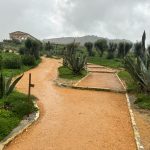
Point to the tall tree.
(123, 49)
(101, 46)
(89, 47)
(111, 50)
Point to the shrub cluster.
(28, 60)
(12, 61)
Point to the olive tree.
(101, 46)
(89, 47)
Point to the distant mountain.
(82, 40)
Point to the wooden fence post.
(29, 87)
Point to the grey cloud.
(54, 18)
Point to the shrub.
(23, 51)
(12, 61)
(28, 60)
(19, 104)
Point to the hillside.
(81, 40)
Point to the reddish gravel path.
(101, 77)
(74, 119)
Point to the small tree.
(28, 45)
(127, 48)
(48, 48)
(123, 49)
(33, 47)
(111, 50)
(101, 46)
(137, 48)
(89, 47)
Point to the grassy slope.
(113, 63)
(143, 100)
(15, 72)
(17, 106)
(66, 73)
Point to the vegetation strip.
(134, 126)
(24, 124)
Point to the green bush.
(12, 61)
(143, 101)
(12, 110)
(28, 60)
(8, 121)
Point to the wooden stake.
(30, 85)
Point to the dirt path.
(74, 119)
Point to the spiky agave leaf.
(12, 86)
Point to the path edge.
(133, 122)
(21, 127)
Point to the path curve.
(74, 119)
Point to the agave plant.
(139, 68)
(7, 86)
(74, 59)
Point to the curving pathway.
(74, 119)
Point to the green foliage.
(13, 109)
(33, 47)
(139, 68)
(8, 121)
(101, 46)
(123, 49)
(74, 58)
(114, 63)
(49, 48)
(143, 101)
(7, 86)
(137, 48)
(111, 50)
(66, 73)
(1, 46)
(28, 60)
(89, 47)
(23, 51)
(130, 83)
(11, 61)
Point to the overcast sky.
(56, 18)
